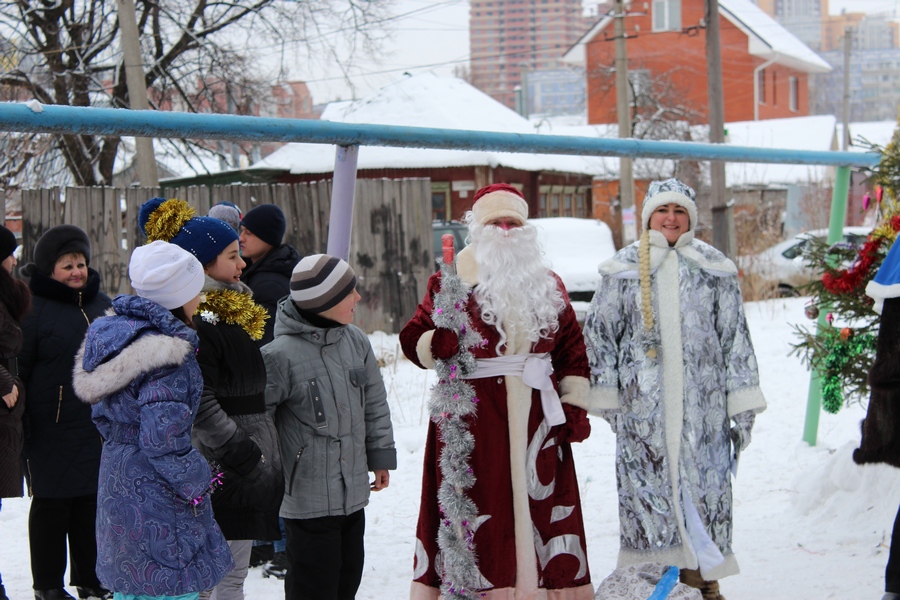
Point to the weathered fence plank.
(390, 246)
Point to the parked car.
(781, 269)
(574, 249)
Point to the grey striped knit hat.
(320, 282)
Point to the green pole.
(835, 233)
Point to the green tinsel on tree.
(842, 353)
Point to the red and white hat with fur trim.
(499, 200)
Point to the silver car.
(781, 269)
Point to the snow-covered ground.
(809, 524)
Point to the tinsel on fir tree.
(842, 350)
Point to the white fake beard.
(515, 289)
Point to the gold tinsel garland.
(236, 308)
(165, 222)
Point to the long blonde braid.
(644, 272)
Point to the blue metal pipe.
(140, 123)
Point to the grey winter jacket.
(325, 391)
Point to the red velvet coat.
(549, 552)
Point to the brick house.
(765, 68)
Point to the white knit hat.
(670, 191)
(165, 273)
(320, 282)
(499, 200)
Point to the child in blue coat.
(156, 535)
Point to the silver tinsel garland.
(453, 399)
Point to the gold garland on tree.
(236, 308)
(165, 222)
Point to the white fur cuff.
(745, 399)
(423, 349)
(598, 399)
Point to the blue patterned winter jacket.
(139, 371)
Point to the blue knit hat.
(266, 222)
(174, 221)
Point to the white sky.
(431, 35)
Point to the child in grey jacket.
(325, 391)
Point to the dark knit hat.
(174, 221)
(266, 222)
(8, 243)
(320, 282)
(57, 241)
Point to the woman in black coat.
(15, 301)
(62, 445)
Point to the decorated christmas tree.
(843, 348)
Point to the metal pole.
(835, 233)
(53, 118)
(145, 158)
(341, 216)
(845, 117)
(623, 112)
(724, 237)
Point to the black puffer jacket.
(62, 445)
(233, 430)
(270, 280)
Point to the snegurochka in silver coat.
(674, 372)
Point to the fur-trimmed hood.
(138, 337)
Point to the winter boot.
(97, 593)
(55, 594)
(709, 589)
(260, 555)
(277, 567)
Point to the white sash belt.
(535, 370)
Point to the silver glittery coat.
(672, 413)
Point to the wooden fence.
(390, 246)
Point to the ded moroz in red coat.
(529, 540)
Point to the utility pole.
(845, 117)
(722, 212)
(137, 90)
(623, 112)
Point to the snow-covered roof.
(797, 133)
(767, 39)
(425, 100)
(178, 158)
(876, 132)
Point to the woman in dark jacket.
(62, 445)
(15, 301)
(232, 427)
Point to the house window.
(440, 201)
(554, 205)
(775, 88)
(666, 15)
(794, 91)
(567, 205)
(579, 206)
(762, 86)
(542, 204)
